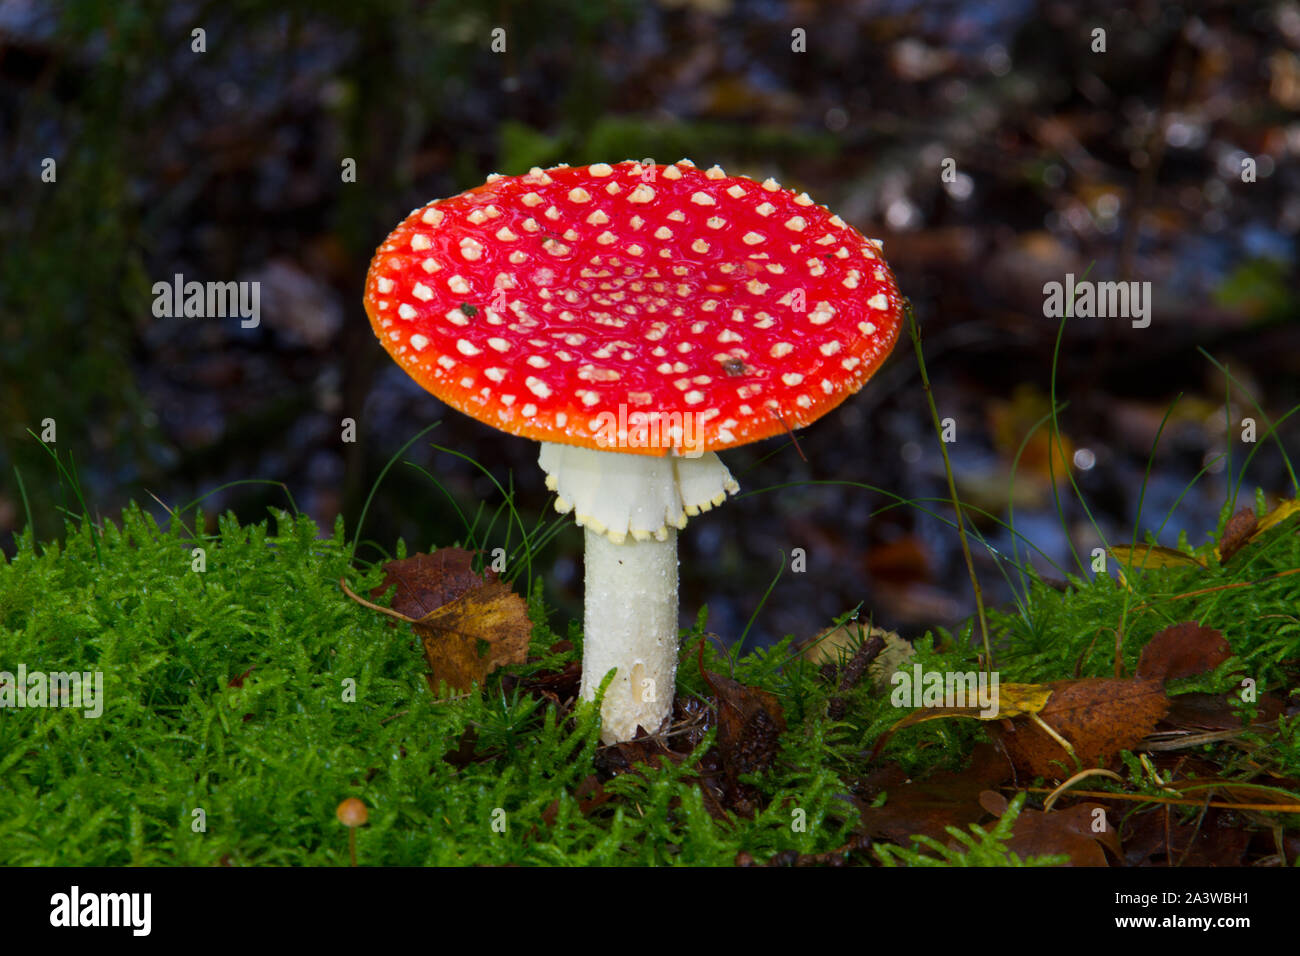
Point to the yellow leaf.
(1013, 700)
(1279, 514)
(1154, 556)
(1146, 556)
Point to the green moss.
(229, 690)
(267, 762)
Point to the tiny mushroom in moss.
(634, 319)
(352, 813)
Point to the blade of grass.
(1295, 483)
(1272, 430)
(242, 481)
(76, 490)
(27, 506)
(915, 331)
(1011, 496)
(1056, 442)
(448, 495)
(508, 500)
(757, 610)
(378, 481)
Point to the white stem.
(631, 625)
(630, 507)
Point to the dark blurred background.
(226, 165)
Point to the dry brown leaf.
(426, 582)
(1069, 832)
(1181, 651)
(1244, 528)
(943, 799)
(750, 725)
(1157, 837)
(1239, 530)
(1099, 717)
(469, 624)
(466, 640)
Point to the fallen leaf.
(1237, 532)
(926, 807)
(1146, 556)
(590, 794)
(1069, 832)
(425, 582)
(692, 718)
(1013, 700)
(1284, 510)
(1243, 528)
(465, 753)
(559, 687)
(464, 641)
(750, 724)
(469, 624)
(1043, 455)
(1210, 712)
(1156, 837)
(1181, 651)
(899, 561)
(1099, 717)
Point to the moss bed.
(229, 733)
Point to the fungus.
(352, 813)
(635, 319)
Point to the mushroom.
(634, 319)
(352, 813)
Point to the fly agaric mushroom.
(634, 319)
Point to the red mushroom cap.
(540, 304)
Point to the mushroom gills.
(643, 496)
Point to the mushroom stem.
(630, 624)
(630, 508)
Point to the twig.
(1094, 772)
(376, 607)
(1147, 798)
